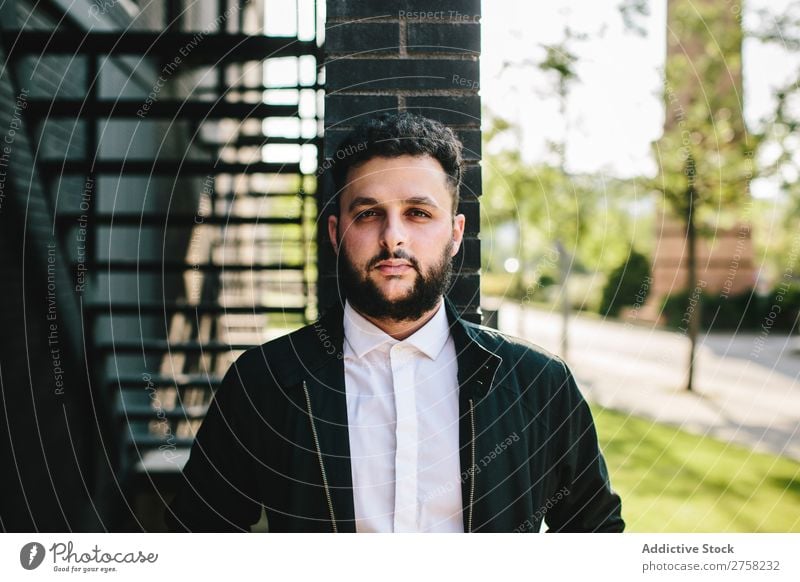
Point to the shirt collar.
(363, 336)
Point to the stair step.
(255, 194)
(239, 89)
(197, 380)
(179, 266)
(165, 167)
(149, 441)
(158, 463)
(200, 48)
(131, 219)
(161, 109)
(258, 141)
(203, 308)
(144, 411)
(159, 346)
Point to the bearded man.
(391, 413)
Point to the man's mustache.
(385, 255)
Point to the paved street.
(747, 386)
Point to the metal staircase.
(187, 212)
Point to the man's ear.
(333, 232)
(459, 221)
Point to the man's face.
(395, 236)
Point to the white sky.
(615, 109)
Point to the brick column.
(414, 55)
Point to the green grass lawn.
(673, 481)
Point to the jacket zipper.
(319, 456)
(472, 479)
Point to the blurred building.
(704, 84)
(725, 260)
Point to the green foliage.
(594, 216)
(632, 12)
(560, 60)
(734, 312)
(779, 26)
(540, 201)
(747, 311)
(628, 284)
(546, 280)
(544, 204)
(782, 307)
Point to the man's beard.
(366, 297)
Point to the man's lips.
(394, 267)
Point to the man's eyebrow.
(421, 201)
(362, 201)
(412, 201)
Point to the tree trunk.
(563, 263)
(694, 314)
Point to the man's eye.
(419, 213)
(366, 214)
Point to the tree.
(627, 285)
(559, 62)
(599, 218)
(779, 131)
(705, 156)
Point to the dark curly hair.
(396, 134)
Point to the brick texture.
(450, 10)
(433, 37)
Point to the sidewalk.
(746, 391)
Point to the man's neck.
(400, 330)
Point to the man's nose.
(393, 234)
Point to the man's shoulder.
(296, 342)
(515, 349)
(525, 365)
(284, 357)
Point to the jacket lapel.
(477, 368)
(324, 380)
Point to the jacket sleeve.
(589, 504)
(218, 490)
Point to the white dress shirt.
(402, 411)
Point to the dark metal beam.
(161, 109)
(193, 48)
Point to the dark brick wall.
(407, 55)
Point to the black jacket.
(276, 435)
